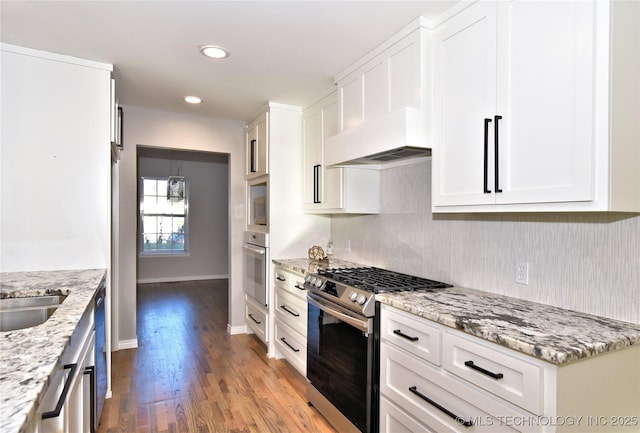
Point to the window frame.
(141, 214)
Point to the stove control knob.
(353, 296)
(361, 299)
(318, 282)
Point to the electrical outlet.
(522, 273)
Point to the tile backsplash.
(585, 262)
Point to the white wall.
(154, 128)
(583, 262)
(208, 230)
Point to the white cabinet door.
(326, 189)
(257, 147)
(546, 100)
(514, 105)
(464, 96)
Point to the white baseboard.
(127, 344)
(178, 279)
(235, 330)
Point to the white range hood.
(394, 136)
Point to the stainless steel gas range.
(343, 340)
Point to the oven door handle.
(254, 250)
(363, 325)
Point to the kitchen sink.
(20, 313)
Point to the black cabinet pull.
(496, 376)
(486, 156)
(403, 335)
(279, 278)
(253, 156)
(252, 318)
(458, 419)
(91, 371)
(293, 313)
(316, 183)
(290, 346)
(298, 286)
(495, 139)
(65, 390)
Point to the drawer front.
(257, 321)
(496, 370)
(282, 278)
(412, 334)
(442, 402)
(290, 281)
(292, 345)
(291, 310)
(395, 420)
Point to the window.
(163, 215)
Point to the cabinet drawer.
(291, 310)
(395, 420)
(412, 334)
(257, 321)
(292, 282)
(292, 345)
(440, 401)
(494, 369)
(282, 278)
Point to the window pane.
(149, 186)
(163, 222)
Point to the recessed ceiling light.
(214, 52)
(192, 99)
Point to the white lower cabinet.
(291, 318)
(257, 319)
(66, 407)
(437, 379)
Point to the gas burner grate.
(378, 280)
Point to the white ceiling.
(283, 51)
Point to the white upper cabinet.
(383, 100)
(522, 107)
(333, 190)
(257, 146)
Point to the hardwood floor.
(189, 375)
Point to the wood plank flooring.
(189, 375)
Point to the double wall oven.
(343, 340)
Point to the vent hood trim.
(398, 135)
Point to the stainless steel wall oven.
(256, 266)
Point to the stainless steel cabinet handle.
(65, 390)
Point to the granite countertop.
(304, 266)
(549, 333)
(552, 334)
(29, 357)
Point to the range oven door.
(255, 272)
(340, 360)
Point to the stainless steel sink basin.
(20, 313)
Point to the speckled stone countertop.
(304, 266)
(29, 357)
(549, 333)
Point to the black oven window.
(337, 364)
